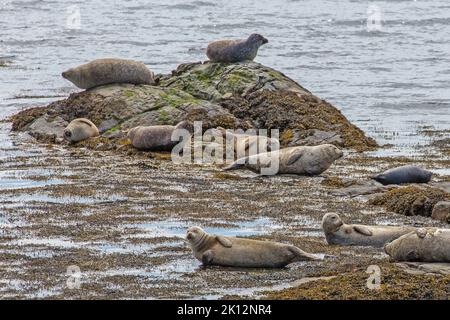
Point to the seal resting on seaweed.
(404, 174)
(424, 244)
(337, 232)
(238, 252)
(106, 71)
(80, 129)
(235, 50)
(155, 137)
(303, 160)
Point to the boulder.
(241, 95)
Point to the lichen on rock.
(241, 95)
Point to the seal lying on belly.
(424, 244)
(80, 129)
(155, 137)
(404, 174)
(105, 71)
(302, 160)
(246, 253)
(337, 232)
(235, 50)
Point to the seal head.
(331, 222)
(257, 39)
(194, 236)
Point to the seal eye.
(67, 133)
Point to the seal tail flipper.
(302, 255)
(236, 165)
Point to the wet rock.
(242, 95)
(420, 268)
(411, 200)
(441, 211)
(48, 128)
(314, 137)
(366, 188)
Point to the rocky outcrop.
(411, 200)
(242, 95)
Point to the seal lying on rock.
(235, 50)
(404, 174)
(425, 244)
(80, 129)
(337, 232)
(155, 137)
(105, 71)
(304, 160)
(238, 252)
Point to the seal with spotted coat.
(239, 252)
(337, 232)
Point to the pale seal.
(154, 137)
(424, 244)
(235, 50)
(404, 174)
(246, 144)
(238, 252)
(304, 160)
(337, 232)
(80, 129)
(105, 71)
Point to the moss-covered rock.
(242, 95)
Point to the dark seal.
(235, 50)
(404, 174)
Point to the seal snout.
(67, 134)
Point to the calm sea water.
(390, 82)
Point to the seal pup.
(246, 253)
(337, 232)
(80, 129)
(235, 50)
(304, 160)
(105, 71)
(155, 137)
(424, 245)
(404, 174)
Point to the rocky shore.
(119, 214)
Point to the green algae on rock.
(241, 95)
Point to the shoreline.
(125, 237)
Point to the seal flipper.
(207, 257)
(297, 154)
(363, 230)
(224, 241)
(237, 164)
(85, 122)
(302, 255)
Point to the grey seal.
(303, 160)
(424, 244)
(106, 71)
(246, 253)
(235, 50)
(155, 137)
(404, 174)
(80, 129)
(337, 232)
